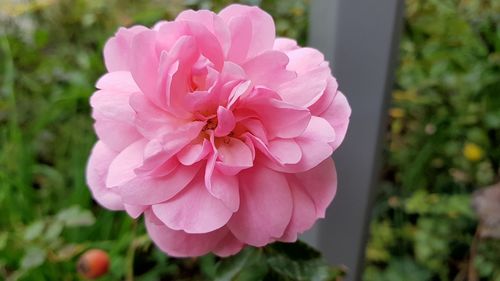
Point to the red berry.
(94, 263)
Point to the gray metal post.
(360, 38)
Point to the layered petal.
(265, 208)
(263, 30)
(96, 173)
(194, 210)
(177, 243)
(117, 48)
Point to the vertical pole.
(360, 39)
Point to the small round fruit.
(93, 264)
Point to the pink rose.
(220, 133)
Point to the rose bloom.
(217, 131)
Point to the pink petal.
(185, 53)
(234, 156)
(121, 169)
(113, 116)
(279, 118)
(211, 21)
(109, 104)
(321, 184)
(228, 246)
(304, 212)
(319, 129)
(337, 115)
(161, 149)
(303, 60)
(263, 30)
(286, 151)
(226, 122)
(150, 120)
(285, 44)
(182, 244)
(305, 90)
(265, 208)
(239, 91)
(135, 210)
(193, 210)
(97, 168)
(326, 98)
(221, 186)
(144, 63)
(117, 48)
(240, 29)
(256, 128)
(120, 81)
(269, 69)
(207, 42)
(194, 152)
(107, 129)
(147, 190)
(315, 146)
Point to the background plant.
(442, 144)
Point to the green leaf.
(247, 265)
(74, 216)
(4, 236)
(33, 257)
(299, 261)
(297, 251)
(34, 230)
(53, 231)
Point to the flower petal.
(121, 170)
(221, 186)
(337, 115)
(285, 44)
(234, 156)
(113, 115)
(228, 246)
(240, 29)
(279, 118)
(120, 81)
(147, 190)
(211, 21)
(226, 122)
(194, 152)
(265, 208)
(177, 243)
(96, 172)
(303, 91)
(286, 151)
(117, 48)
(194, 210)
(263, 30)
(269, 69)
(304, 212)
(144, 62)
(135, 210)
(321, 184)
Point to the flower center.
(211, 124)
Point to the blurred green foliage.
(443, 143)
(50, 58)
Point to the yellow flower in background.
(473, 152)
(396, 112)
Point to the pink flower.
(220, 133)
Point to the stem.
(472, 273)
(130, 254)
